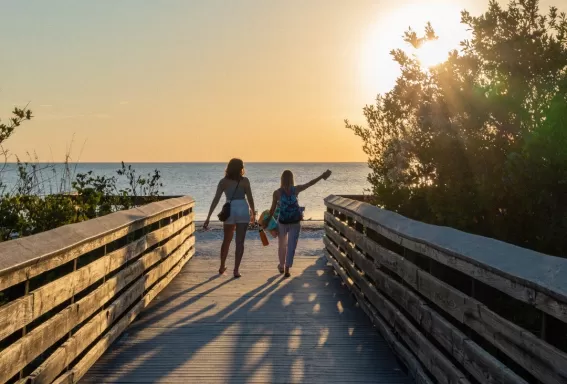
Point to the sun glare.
(432, 53)
(378, 71)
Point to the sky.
(206, 80)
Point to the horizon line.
(189, 162)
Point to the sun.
(432, 53)
(377, 70)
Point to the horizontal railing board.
(526, 275)
(479, 363)
(135, 200)
(434, 361)
(77, 372)
(118, 282)
(409, 360)
(36, 303)
(118, 277)
(30, 256)
(22, 352)
(533, 354)
(73, 347)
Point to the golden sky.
(205, 80)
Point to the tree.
(479, 142)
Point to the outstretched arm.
(214, 204)
(303, 187)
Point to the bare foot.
(280, 268)
(222, 270)
(237, 274)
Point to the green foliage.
(479, 142)
(7, 129)
(24, 213)
(18, 116)
(26, 209)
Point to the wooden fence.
(133, 200)
(67, 294)
(455, 307)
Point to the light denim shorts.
(239, 212)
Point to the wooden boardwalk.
(258, 329)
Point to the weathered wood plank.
(19, 354)
(174, 271)
(89, 332)
(33, 255)
(410, 361)
(22, 352)
(260, 328)
(58, 291)
(64, 355)
(15, 315)
(478, 362)
(125, 254)
(80, 369)
(538, 357)
(545, 362)
(529, 276)
(381, 256)
(47, 297)
(436, 363)
(74, 375)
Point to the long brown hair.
(287, 180)
(234, 169)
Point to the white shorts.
(239, 212)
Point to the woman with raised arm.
(290, 216)
(237, 191)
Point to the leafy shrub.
(26, 209)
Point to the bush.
(479, 142)
(26, 209)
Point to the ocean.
(199, 180)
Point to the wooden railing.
(133, 200)
(455, 307)
(67, 294)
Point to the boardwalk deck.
(257, 329)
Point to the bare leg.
(227, 239)
(241, 229)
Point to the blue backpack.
(290, 212)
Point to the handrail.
(66, 294)
(455, 307)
